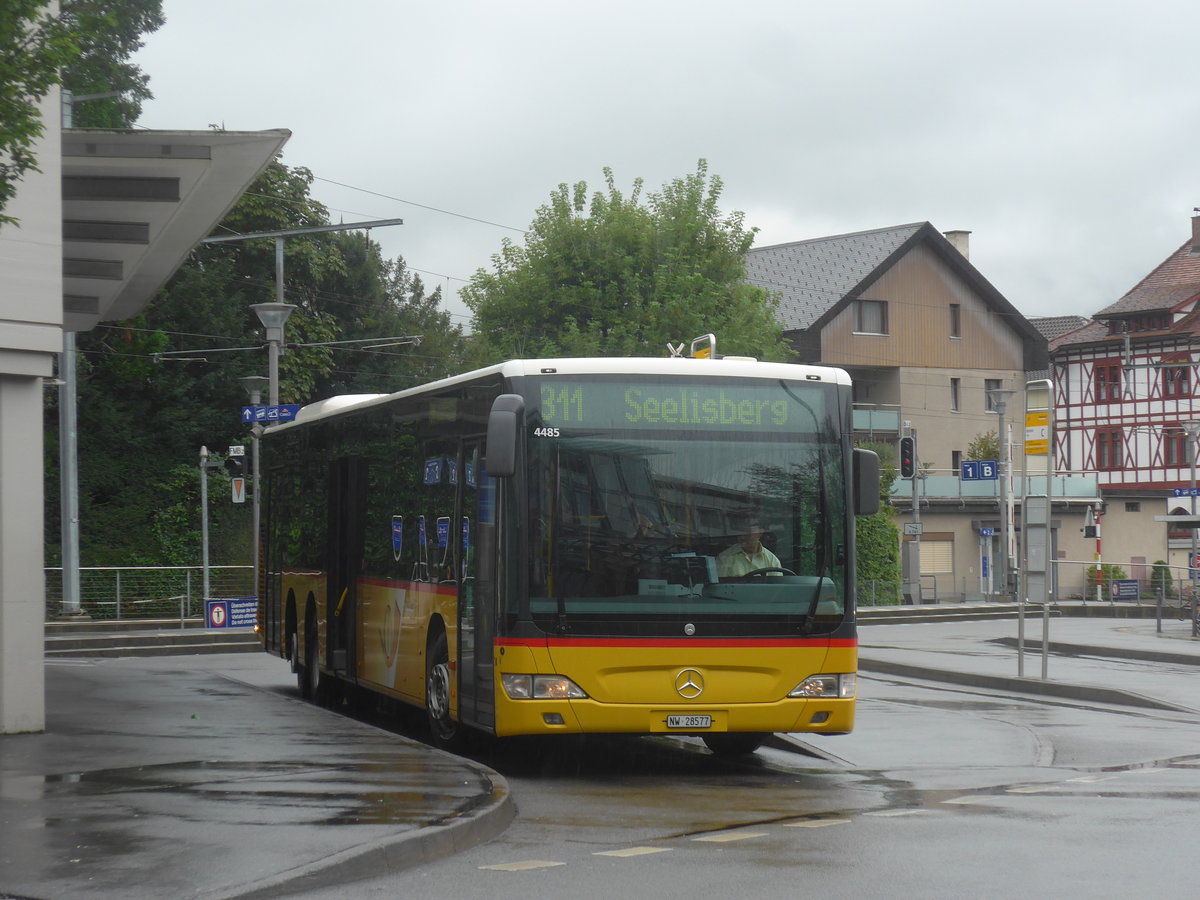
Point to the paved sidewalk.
(207, 776)
(1101, 660)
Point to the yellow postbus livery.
(576, 546)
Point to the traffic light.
(235, 466)
(908, 457)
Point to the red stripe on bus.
(676, 642)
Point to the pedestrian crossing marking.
(524, 865)
(816, 823)
(730, 836)
(633, 851)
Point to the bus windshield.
(663, 505)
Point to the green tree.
(877, 540)
(621, 275)
(33, 47)
(86, 49)
(983, 446)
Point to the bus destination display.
(656, 405)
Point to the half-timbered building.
(1125, 389)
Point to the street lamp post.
(273, 317)
(1191, 429)
(999, 398)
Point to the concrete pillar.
(31, 318)
(22, 579)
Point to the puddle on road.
(373, 791)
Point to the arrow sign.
(285, 412)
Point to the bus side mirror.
(505, 423)
(866, 482)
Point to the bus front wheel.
(445, 732)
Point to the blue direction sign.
(1186, 492)
(269, 415)
(980, 470)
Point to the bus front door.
(477, 593)
(346, 533)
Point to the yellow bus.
(575, 546)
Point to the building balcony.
(951, 487)
(876, 420)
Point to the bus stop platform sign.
(1123, 589)
(235, 612)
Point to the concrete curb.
(488, 819)
(1035, 645)
(1086, 692)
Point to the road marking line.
(1090, 779)
(884, 813)
(633, 851)
(732, 836)
(968, 800)
(522, 866)
(816, 823)
(1033, 789)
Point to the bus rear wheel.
(737, 744)
(444, 731)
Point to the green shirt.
(735, 562)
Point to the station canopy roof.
(135, 203)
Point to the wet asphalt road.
(940, 792)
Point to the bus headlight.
(541, 687)
(842, 687)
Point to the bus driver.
(747, 555)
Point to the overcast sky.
(1063, 135)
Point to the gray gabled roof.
(816, 279)
(1052, 327)
(810, 277)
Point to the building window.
(1174, 447)
(1133, 506)
(870, 316)
(955, 393)
(956, 461)
(989, 400)
(1108, 383)
(1176, 381)
(1108, 449)
(937, 557)
(955, 320)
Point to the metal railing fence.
(147, 592)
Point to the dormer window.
(1156, 321)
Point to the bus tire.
(736, 744)
(309, 674)
(443, 730)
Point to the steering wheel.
(768, 570)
